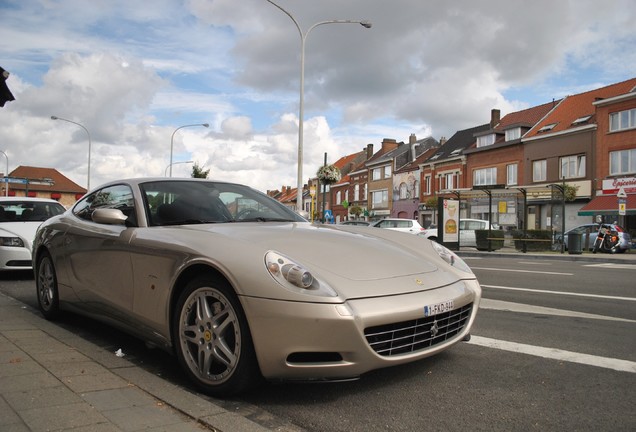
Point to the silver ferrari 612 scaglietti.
(241, 288)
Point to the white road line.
(613, 266)
(524, 308)
(556, 354)
(522, 271)
(561, 293)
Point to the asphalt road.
(553, 349)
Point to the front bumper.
(15, 258)
(317, 341)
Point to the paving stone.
(99, 381)
(144, 417)
(78, 368)
(119, 398)
(8, 417)
(61, 417)
(27, 382)
(41, 397)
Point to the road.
(553, 349)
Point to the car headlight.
(451, 257)
(294, 277)
(11, 242)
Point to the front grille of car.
(415, 335)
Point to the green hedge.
(539, 240)
(481, 238)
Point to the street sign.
(621, 193)
(15, 180)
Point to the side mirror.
(109, 216)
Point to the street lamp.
(172, 140)
(88, 176)
(165, 172)
(301, 109)
(6, 175)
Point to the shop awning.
(608, 205)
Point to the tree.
(198, 172)
(356, 211)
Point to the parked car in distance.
(240, 288)
(467, 229)
(355, 222)
(624, 242)
(20, 218)
(404, 225)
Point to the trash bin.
(574, 244)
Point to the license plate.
(438, 308)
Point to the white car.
(404, 225)
(467, 229)
(20, 218)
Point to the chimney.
(495, 116)
(442, 141)
(388, 144)
(369, 151)
(412, 139)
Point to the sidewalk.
(53, 380)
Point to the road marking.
(613, 266)
(524, 308)
(534, 263)
(560, 293)
(522, 271)
(556, 354)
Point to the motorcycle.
(606, 240)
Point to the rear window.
(29, 211)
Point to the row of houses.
(512, 170)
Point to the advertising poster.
(451, 221)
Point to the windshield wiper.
(265, 219)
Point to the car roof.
(23, 199)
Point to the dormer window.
(513, 134)
(485, 140)
(456, 152)
(548, 127)
(581, 120)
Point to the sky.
(133, 73)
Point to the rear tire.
(212, 340)
(46, 286)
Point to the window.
(387, 171)
(338, 197)
(513, 134)
(511, 174)
(623, 162)
(427, 185)
(547, 127)
(356, 192)
(376, 173)
(581, 120)
(485, 140)
(539, 170)
(404, 193)
(449, 181)
(115, 197)
(416, 187)
(485, 176)
(623, 120)
(380, 199)
(572, 166)
(347, 195)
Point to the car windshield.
(192, 202)
(29, 211)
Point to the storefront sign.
(612, 186)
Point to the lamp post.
(301, 109)
(6, 175)
(172, 140)
(165, 173)
(88, 176)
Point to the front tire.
(46, 285)
(212, 339)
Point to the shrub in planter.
(481, 238)
(539, 240)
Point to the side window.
(117, 197)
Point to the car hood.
(355, 253)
